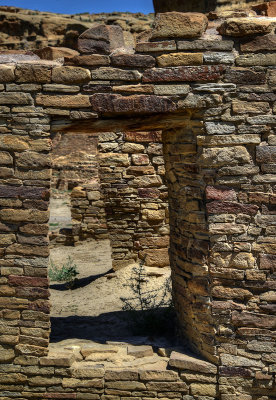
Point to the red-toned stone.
(113, 103)
(25, 192)
(268, 9)
(148, 193)
(133, 60)
(224, 207)
(220, 193)
(32, 293)
(268, 261)
(248, 319)
(31, 281)
(202, 73)
(235, 371)
(144, 137)
(40, 305)
(244, 76)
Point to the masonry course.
(218, 164)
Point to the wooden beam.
(125, 123)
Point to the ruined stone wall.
(214, 100)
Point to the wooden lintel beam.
(144, 123)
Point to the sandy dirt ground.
(93, 309)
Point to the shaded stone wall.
(214, 100)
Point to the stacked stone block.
(218, 118)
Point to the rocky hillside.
(29, 30)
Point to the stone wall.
(213, 98)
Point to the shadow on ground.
(137, 327)
(79, 283)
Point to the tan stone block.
(14, 143)
(31, 215)
(140, 351)
(6, 354)
(70, 75)
(179, 25)
(33, 73)
(185, 362)
(66, 101)
(215, 157)
(132, 148)
(44, 381)
(155, 257)
(246, 26)
(7, 290)
(170, 376)
(86, 370)
(176, 59)
(6, 73)
(6, 239)
(250, 107)
(5, 158)
(242, 260)
(153, 215)
(201, 389)
(230, 293)
(10, 98)
(82, 383)
(256, 60)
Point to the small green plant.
(66, 273)
(148, 311)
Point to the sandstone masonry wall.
(212, 94)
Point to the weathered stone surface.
(155, 258)
(201, 389)
(171, 90)
(70, 75)
(224, 156)
(108, 73)
(90, 60)
(24, 215)
(220, 193)
(259, 43)
(266, 154)
(33, 73)
(245, 76)
(221, 292)
(176, 59)
(101, 39)
(259, 59)
(148, 47)
(246, 26)
(6, 73)
(66, 101)
(185, 362)
(133, 61)
(140, 351)
(212, 45)
(25, 192)
(254, 320)
(202, 73)
(217, 207)
(218, 58)
(52, 53)
(8, 98)
(237, 361)
(114, 103)
(179, 25)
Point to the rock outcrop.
(29, 30)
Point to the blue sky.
(75, 6)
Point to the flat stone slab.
(183, 361)
(140, 351)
